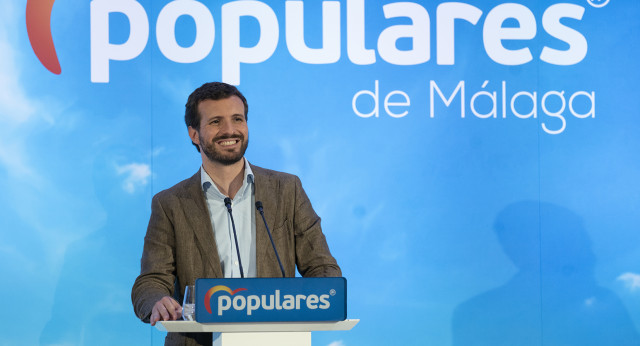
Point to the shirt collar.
(207, 183)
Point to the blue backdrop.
(475, 163)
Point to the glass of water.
(189, 303)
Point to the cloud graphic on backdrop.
(136, 175)
(631, 280)
(337, 343)
(16, 107)
(38, 19)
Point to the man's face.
(223, 136)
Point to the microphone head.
(259, 205)
(227, 202)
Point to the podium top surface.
(195, 327)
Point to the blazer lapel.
(266, 192)
(200, 222)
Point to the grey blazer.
(180, 247)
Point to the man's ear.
(193, 134)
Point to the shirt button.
(236, 262)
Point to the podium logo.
(213, 290)
(228, 300)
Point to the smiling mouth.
(228, 142)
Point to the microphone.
(227, 203)
(260, 209)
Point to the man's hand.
(165, 309)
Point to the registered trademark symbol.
(598, 3)
(332, 292)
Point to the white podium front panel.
(195, 327)
(264, 333)
(262, 339)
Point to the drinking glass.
(189, 303)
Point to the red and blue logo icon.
(213, 290)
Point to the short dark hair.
(209, 91)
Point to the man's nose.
(227, 128)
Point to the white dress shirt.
(244, 216)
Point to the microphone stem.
(227, 203)
(235, 238)
(272, 243)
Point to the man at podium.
(208, 226)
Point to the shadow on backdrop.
(553, 299)
(92, 304)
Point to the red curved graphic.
(39, 31)
(213, 290)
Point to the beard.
(222, 156)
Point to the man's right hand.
(165, 309)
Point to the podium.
(266, 311)
(259, 333)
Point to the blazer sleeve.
(313, 257)
(157, 273)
